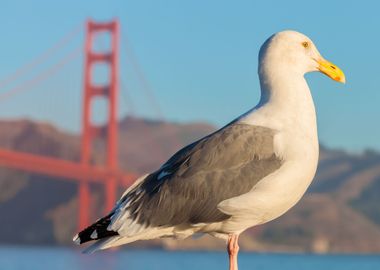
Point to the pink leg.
(233, 249)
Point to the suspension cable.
(127, 98)
(42, 76)
(40, 58)
(144, 82)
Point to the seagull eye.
(305, 44)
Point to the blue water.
(32, 258)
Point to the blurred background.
(95, 93)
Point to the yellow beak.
(331, 70)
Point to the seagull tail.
(109, 242)
(102, 244)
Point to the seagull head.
(295, 52)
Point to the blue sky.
(200, 59)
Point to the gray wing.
(190, 185)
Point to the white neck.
(286, 102)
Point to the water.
(32, 258)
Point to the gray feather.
(190, 185)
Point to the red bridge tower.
(90, 131)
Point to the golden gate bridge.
(82, 172)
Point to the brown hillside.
(340, 213)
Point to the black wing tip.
(91, 234)
(96, 231)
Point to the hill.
(340, 212)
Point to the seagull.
(245, 174)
